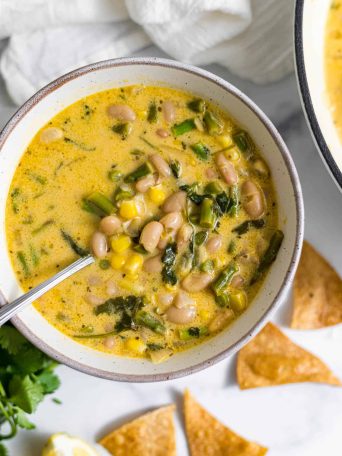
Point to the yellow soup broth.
(333, 61)
(77, 170)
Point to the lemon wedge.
(62, 444)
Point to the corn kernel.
(232, 154)
(204, 314)
(135, 345)
(225, 140)
(169, 287)
(238, 301)
(120, 243)
(192, 162)
(128, 209)
(117, 261)
(133, 263)
(142, 114)
(156, 194)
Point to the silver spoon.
(9, 310)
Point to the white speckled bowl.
(100, 76)
(310, 22)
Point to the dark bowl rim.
(306, 99)
(165, 63)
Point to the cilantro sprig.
(26, 376)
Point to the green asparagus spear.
(213, 124)
(74, 245)
(143, 318)
(115, 175)
(202, 151)
(244, 143)
(213, 188)
(183, 127)
(123, 129)
(234, 205)
(102, 203)
(197, 105)
(222, 300)
(22, 259)
(208, 217)
(224, 278)
(270, 255)
(142, 171)
(152, 112)
(207, 266)
(176, 168)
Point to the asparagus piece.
(115, 175)
(152, 112)
(73, 244)
(201, 237)
(143, 318)
(234, 206)
(123, 129)
(183, 127)
(201, 151)
(213, 124)
(142, 171)
(122, 193)
(213, 188)
(197, 105)
(208, 216)
(224, 278)
(176, 168)
(42, 226)
(80, 145)
(270, 255)
(193, 332)
(222, 300)
(244, 143)
(101, 202)
(22, 259)
(245, 226)
(207, 266)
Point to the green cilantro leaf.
(25, 393)
(49, 381)
(23, 421)
(3, 451)
(11, 340)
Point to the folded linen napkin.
(50, 37)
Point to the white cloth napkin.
(50, 37)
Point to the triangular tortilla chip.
(152, 434)
(317, 292)
(208, 437)
(271, 358)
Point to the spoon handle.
(9, 310)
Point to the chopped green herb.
(247, 225)
(80, 145)
(176, 168)
(74, 245)
(22, 259)
(192, 333)
(43, 226)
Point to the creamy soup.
(333, 61)
(174, 201)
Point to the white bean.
(165, 299)
(99, 244)
(183, 300)
(196, 281)
(94, 280)
(162, 133)
(237, 281)
(160, 164)
(132, 227)
(150, 235)
(121, 112)
(145, 183)
(153, 264)
(110, 225)
(214, 244)
(111, 288)
(172, 221)
(169, 111)
(211, 173)
(226, 169)
(252, 199)
(184, 235)
(181, 316)
(109, 342)
(93, 299)
(175, 202)
(51, 134)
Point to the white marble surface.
(292, 420)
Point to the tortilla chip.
(317, 292)
(271, 358)
(152, 434)
(208, 437)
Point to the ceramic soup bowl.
(310, 23)
(113, 73)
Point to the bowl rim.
(166, 63)
(306, 100)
